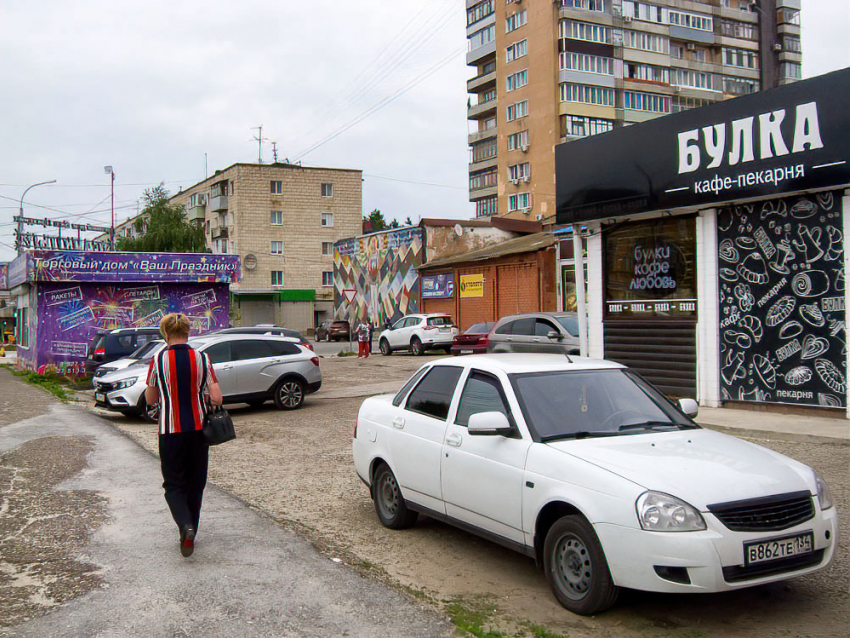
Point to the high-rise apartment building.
(548, 71)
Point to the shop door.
(519, 289)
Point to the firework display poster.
(782, 315)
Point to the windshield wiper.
(583, 434)
(648, 425)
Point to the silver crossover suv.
(546, 332)
(250, 369)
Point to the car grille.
(740, 573)
(769, 514)
(105, 387)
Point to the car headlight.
(126, 383)
(824, 497)
(659, 512)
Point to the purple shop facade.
(64, 297)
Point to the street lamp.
(21, 213)
(108, 170)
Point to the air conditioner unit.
(690, 46)
(627, 18)
(526, 178)
(539, 216)
(677, 89)
(524, 148)
(525, 211)
(777, 47)
(515, 181)
(616, 12)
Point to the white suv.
(419, 333)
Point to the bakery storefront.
(715, 241)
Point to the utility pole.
(259, 139)
(20, 231)
(108, 170)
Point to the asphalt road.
(88, 548)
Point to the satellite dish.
(458, 230)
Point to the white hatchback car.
(586, 467)
(419, 333)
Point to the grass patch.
(345, 353)
(57, 386)
(539, 631)
(10, 347)
(472, 621)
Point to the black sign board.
(791, 138)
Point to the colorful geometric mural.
(381, 269)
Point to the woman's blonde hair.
(174, 324)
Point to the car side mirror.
(490, 424)
(689, 407)
(555, 335)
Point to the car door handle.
(536, 340)
(454, 440)
(398, 423)
(226, 368)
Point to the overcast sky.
(150, 86)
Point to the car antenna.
(568, 358)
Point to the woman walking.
(362, 339)
(178, 377)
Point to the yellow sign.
(472, 285)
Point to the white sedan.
(584, 466)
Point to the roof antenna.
(568, 358)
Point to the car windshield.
(146, 351)
(440, 321)
(587, 403)
(479, 328)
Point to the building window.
(739, 86)
(519, 171)
(327, 248)
(327, 190)
(644, 11)
(482, 37)
(483, 151)
(791, 70)
(788, 16)
(486, 207)
(515, 21)
(646, 41)
(277, 247)
(516, 80)
(22, 327)
(518, 110)
(516, 50)
(740, 58)
(580, 126)
(686, 103)
(518, 141)
(485, 179)
(791, 44)
(328, 278)
(207, 227)
(520, 201)
(740, 30)
(587, 94)
(695, 79)
(646, 72)
(277, 277)
(276, 187)
(677, 52)
(584, 31)
(587, 5)
(479, 11)
(691, 21)
(327, 219)
(646, 102)
(276, 218)
(587, 63)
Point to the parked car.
(333, 331)
(544, 332)
(474, 339)
(142, 355)
(585, 466)
(267, 329)
(419, 333)
(250, 369)
(109, 345)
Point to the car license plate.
(778, 548)
(100, 396)
(466, 351)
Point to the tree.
(376, 221)
(163, 227)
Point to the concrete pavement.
(249, 575)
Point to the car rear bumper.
(462, 349)
(713, 559)
(313, 387)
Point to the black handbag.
(218, 426)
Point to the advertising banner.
(472, 285)
(782, 314)
(440, 286)
(791, 138)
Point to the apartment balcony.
(789, 4)
(481, 110)
(218, 203)
(473, 84)
(482, 164)
(196, 212)
(691, 35)
(791, 56)
(479, 53)
(220, 232)
(482, 135)
(482, 192)
(583, 15)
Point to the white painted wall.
(708, 294)
(595, 279)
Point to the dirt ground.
(297, 467)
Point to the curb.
(770, 434)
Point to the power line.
(413, 181)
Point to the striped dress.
(182, 374)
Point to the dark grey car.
(547, 332)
